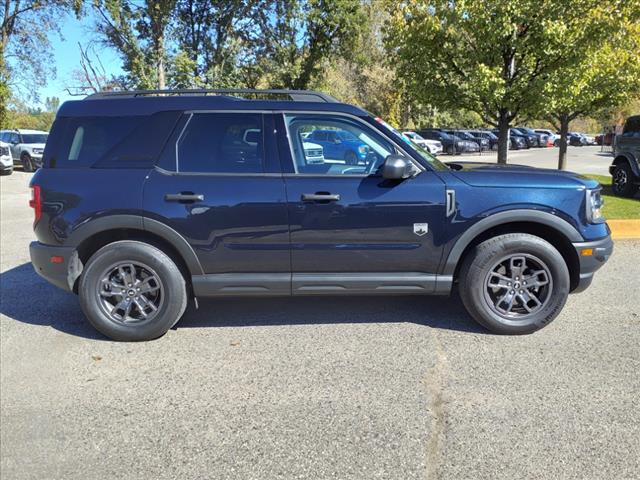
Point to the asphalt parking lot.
(591, 159)
(362, 388)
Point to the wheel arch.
(103, 231)
(551, 228)
(625, 158)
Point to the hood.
(479, 174)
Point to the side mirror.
(396, 167)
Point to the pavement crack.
(435, 382)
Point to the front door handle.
(320, 197)
(184, 197)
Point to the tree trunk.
(160, 56)
(564, 130)
(503, 137)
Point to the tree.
(51, 104)
(138, 33)
(91, 77)
(297, 36)
(214, 38)
(607, 74)
(24, 45)
(492, 57)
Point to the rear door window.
(221, 143)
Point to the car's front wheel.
(514, 283)
(131, 291)
(622, 184)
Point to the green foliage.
(25, 27)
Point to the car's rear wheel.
(514, 283)
(27, 162)
(622, 181)
(132, 291)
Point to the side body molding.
(501, 218)
(137, 222)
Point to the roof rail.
(292, 95)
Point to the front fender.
(502, 218)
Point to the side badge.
(420, 229)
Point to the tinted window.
(221, 143)
(632, 126)
(34, 137)
(86, 140)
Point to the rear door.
(219, 185)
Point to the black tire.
(170, 291)
(450, 150)
(8, 171)
(350, 158)
(478, 298)
(27, 162)
(622, 181)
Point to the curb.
(624, 229)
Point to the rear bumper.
(589, 264)
(63, 274)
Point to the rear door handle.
(185, 197)
(320, 197)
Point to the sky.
(66, 55)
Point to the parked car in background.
(576, 140)
(605, 139)
(625, 168)
(591, 140)
(452, 144)
(535, 139)
(313, 152)
(517, 141)
(340, 145)
(434, 147)
(27, 146)
(489, 136)
(551, 136)
(6, 161)
(483, 143)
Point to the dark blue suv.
(150, 199)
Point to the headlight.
(594, 206)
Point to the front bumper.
(63, 274)
(601, 250)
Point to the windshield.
(490, 135)
(413, 136)
(430, 159)
(34, 137)
(464, 135)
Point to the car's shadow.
(27, 298)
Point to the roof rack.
(292, 95)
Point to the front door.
(352, 230)
(221, 188)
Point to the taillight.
(36, 202)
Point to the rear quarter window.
(109, 142)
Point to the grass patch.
(617, 207)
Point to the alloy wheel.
(518, 286)
(130, 292)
